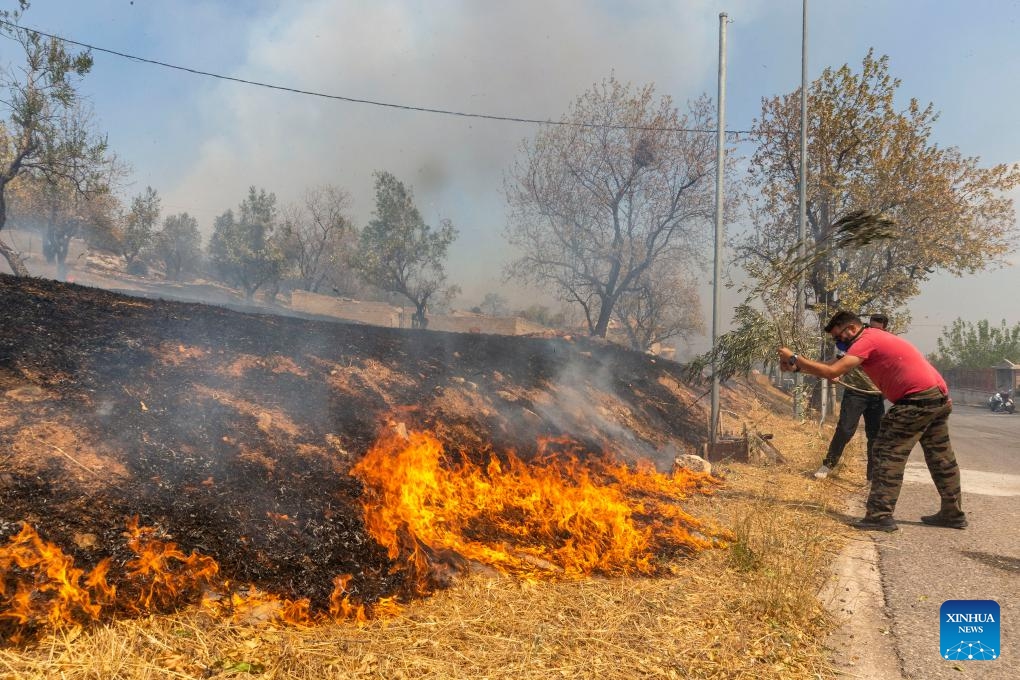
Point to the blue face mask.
(842, 346)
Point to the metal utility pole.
(798, 401)
(720, 163)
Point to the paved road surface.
(921, 566)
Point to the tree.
(49, 209)
(45, 133)
(401, 254)
(63, 220)
(663, 305)
(59, 213)
(865, 156)
(494, 304)
(178, 244)
(139, 225)
(966, 345)
(595, 203)
(102, 222)
(751, 343)
(244, 250)
(543, 316)
(321, 238)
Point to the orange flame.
(555, 517)
(50, 590)
(559, 516)
(161, 572)
(41, 588)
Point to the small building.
(1007, 376)
(975, 385)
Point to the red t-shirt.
(896, 366)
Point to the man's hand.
(816, 368)
(785, 363)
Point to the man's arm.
(828, 371)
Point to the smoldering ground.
(235, 433)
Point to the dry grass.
(748, 611)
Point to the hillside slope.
(234, 433)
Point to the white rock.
(691, 462)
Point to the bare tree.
(321, 238)
(594, 204)
(664, 305)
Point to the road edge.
(864, 645)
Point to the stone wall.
(383, 314)
(465, 322)
(374, 313)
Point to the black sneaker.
(876, 524)
(940, 520)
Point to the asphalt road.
(922, 567)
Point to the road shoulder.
(864, 645)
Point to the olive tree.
(246, 249)
(45, 131)
(60, 213)
(399, 253)
(178, 244)
(139, 225)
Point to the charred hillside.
(234, 433)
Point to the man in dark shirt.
(860, 398)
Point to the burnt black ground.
(234, 432)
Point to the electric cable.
(370, 102)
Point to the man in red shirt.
(920, 412)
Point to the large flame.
(557, 516)
(563, 514)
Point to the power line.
(355, 100)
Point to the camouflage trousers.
(902, 427)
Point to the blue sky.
(200, 142)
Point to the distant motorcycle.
(1001, 402)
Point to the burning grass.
(613, 586)
(749, 611)
(561, 515)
